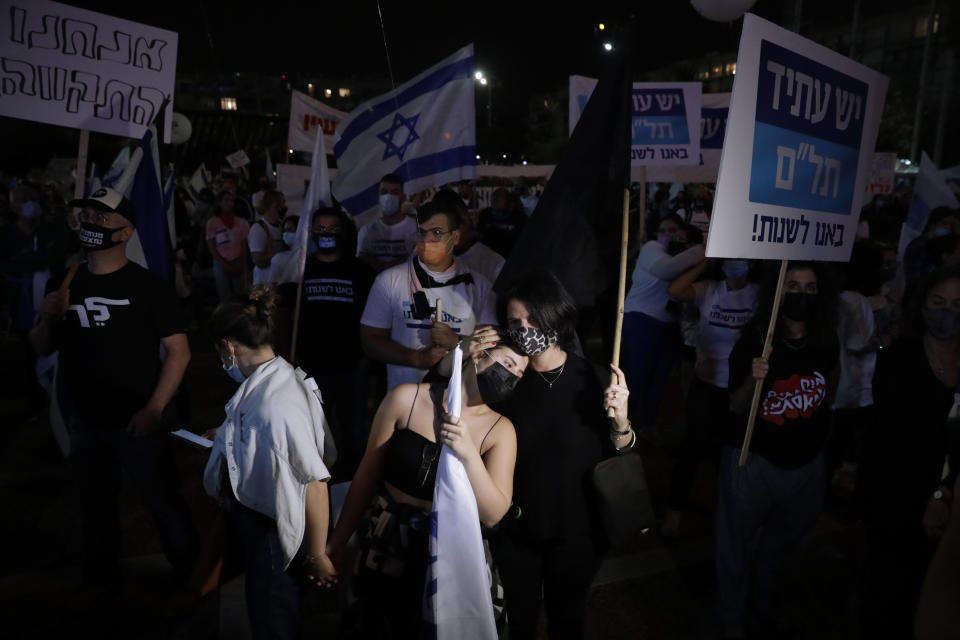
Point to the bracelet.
(625, 431)
(633, 441)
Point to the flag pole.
(296, 321)
(767, 348)
(80, 184)
(622, 285)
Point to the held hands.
(615, 397)
(320, 569)
(760, 368)
(454, 434)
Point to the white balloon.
(180, 128)
(722, 10)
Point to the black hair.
(392, 178)
(441, 207)
(271, 198)
(550, 306)
(246, 318)
(672, 217)
(938, 214)
(915, 299)
(289, 219)
(822, 327)
(448, 200)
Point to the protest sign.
(238, 159)
(307, 116)
(665, 120)
(882, 169)
(76, 68)
(931, 190)
(798, 147)
(713, 124)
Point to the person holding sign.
(269, 466)
(772, 501)
(395, 484)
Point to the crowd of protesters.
(854, 411)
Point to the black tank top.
(411, 460)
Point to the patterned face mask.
(531, 341)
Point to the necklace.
(549, 382)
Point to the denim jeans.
(762, 504)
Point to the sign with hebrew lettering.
(307, 117)
(665, 127)
(713, 124)
(76, 68)
(798, 149)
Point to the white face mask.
(389, 204)
(289, 238)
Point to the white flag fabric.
(318, 195)
(457, 598)
(423, 131)
(309, 116)
(930, 191)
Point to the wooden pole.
(80, 184)
(296, 320)
(767, 348)
(439, 313)
(622, 284)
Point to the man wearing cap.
(115, 388)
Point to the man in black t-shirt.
(335, 289)
(114, 388)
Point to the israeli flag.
(930, 191)
(422, 131)
(457, 601)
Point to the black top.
(793, 419)
(562, 433)
(904, 453)
(334, 295)
(109, 342)
(410, 463)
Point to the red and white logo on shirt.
(796, 397)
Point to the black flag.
(574, 231)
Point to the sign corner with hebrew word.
(801, 131)
(76, 68)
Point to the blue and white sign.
(713, 124)
(798, 148)
(665, 120)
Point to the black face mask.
(96, 238)
(799, 306)
(675, 247)
(495, 382)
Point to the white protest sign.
(76, 68)
(882, 169)
(665, 120)
(798, 147)
(292, 180)
(307, 116)
(238, 159)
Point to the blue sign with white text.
(808, 132)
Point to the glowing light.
(608, 46)
(601, 26)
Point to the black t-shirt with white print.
(793, 418)
(109, 342)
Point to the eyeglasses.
(431, 235)
(428, 455)
(92, 215)
(322, 228)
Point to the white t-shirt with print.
(388, 242)
(389, 307)
(257, 241)
(481, 259)
(723, 314)
(855, 327)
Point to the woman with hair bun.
(269, 465)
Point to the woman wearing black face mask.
(906, 500)
(770, 503)
(394, 484)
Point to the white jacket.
(275, 441)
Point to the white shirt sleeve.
(257, 239)
(379, 310)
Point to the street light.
(482, 79)
(608, 46)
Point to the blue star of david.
(387, 136)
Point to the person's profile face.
(944, 295)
